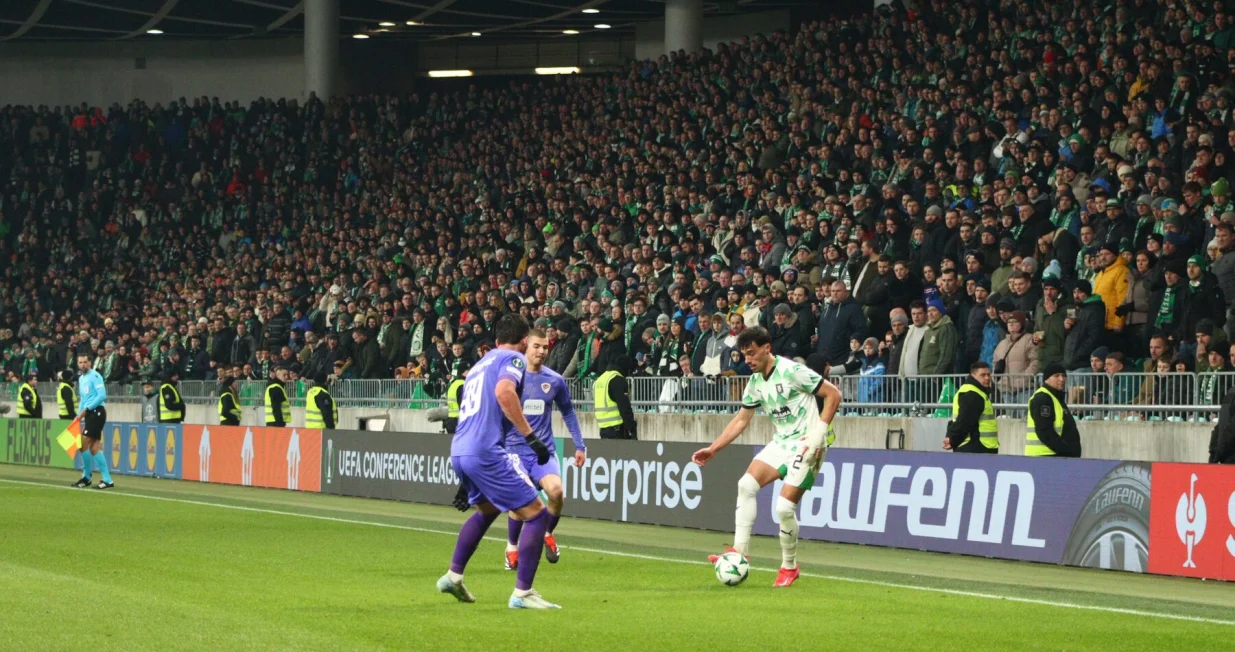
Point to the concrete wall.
(650, 37)
(103, 73)
(1120, 440)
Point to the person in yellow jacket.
(171, 405)
(320, 411)
(29, 405)
(973, 428)
(278, 407)
(66, 396)
(1111, 284)
(1051, 429)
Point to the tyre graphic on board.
(1112, 530)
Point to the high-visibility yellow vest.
(988, 428)
(607, 414)
(1033, 445)
(233, 411)
(286, 409)
(166, 414)
(313, 414)
(27, 391)
(66, 411)
(452, 398)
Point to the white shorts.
(796, 460)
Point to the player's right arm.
(737, 425)
(508, 399)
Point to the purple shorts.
(537, 472)
(499, 480)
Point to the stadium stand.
(1063, 164)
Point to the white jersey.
(787, 395)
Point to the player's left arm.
(831, 400)
(101, 390)
(567, 408)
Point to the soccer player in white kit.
(786, 391)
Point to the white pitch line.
(836, 578)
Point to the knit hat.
(782, 309)
(1019, 316)
(1205, 327)
(1177, 267)
(1084, 286)
(1220, 187)
(1052, 369)
(1197, 260)
(1101, 352)
(663, 319)
(936, 303)
(899, 317)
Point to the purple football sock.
(470, 534)
(531, 544)
(513, 528)
(553, 519)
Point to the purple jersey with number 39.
(481, 421)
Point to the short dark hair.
(511, 328)
(537, 332)
(978, 365)
(756, 335)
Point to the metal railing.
(1124, 396)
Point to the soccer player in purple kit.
(490, 406)
(542, 389)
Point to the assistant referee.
(93, 393)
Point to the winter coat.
(938, 348)
(871, 383)
(1086, 334)
(1054, 335)
(1112, 285)
(1224, 271)
(1020, 362)
(837, 324)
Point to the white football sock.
(788, 532)
(744, 518)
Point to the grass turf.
(192, 566)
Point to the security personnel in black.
(973, 428)
(66, 396)
(1051, 430)
(278, 408)
(171, 406)
(611, 392)
(29, 405)
(452, 402)
(320, 411)
(229, 402)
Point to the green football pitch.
(167, 565)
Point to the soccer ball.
(732, 568)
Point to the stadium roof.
(394, 19)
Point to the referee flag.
(70, 439)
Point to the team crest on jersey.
(516, 363)
(544, 387)
(780, 389)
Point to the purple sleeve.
(512, 369)
(567, 408)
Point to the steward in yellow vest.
(66, 397)
(229, 403)
(29, 405)
(611, 393)
(1051, 429)
(171, 406)
(320, 411)
(973, 428)
(452, 403)
(278, 408)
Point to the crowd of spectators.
(899, 194)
